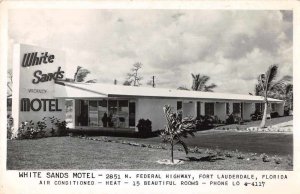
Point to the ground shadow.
(112, 133)
(209, 158)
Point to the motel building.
(93, 102)
(39, 91)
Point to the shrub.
(257, 115)
(265, 158)
(277, 159)
(240, 156)
(144, 126)
(61, 127)
(9, 127)
(274, 114)
(253, 156)
(202, 122)
(232, 118)
(286, 111)
(30, 130)
(228, 154)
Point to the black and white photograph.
(156, 90)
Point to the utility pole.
(115, 82)
(153, 81)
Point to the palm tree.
(266, 83)
(282, 89)
(81, 74)
(199, 83)
(176, 128)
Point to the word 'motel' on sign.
(37, 104)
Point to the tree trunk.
(172, 150)
(263, 121)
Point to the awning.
(62, 90)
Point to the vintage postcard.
(170, 97)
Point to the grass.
(245, 125)
(271, 143)
(77, 153)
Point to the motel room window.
(123, 113)
(242, 110)
(258, 107)
(209, 109)
(112, 113)
(102, 113)
(83, 116)
(198, 109)
(93, 113)
(179, 105)
(236, 108)
(132, 114)
(227, 108)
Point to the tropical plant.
(81, 74)
(200, 83)
(266, 83)
(175, 129)
(282, 89)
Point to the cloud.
(232, 47)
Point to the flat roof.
(98, 90)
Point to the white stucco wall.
(220, 110)
(280, 109)
(202, 111)
(248, 110)
(152, 109)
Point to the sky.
(232, 47)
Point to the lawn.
(79, 153)
(269, 143)
(269, 122)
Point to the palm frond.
(183, 145)
(209, 88)
(182, 88)
(270, 76)
(91, 81)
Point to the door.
(131, 114)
